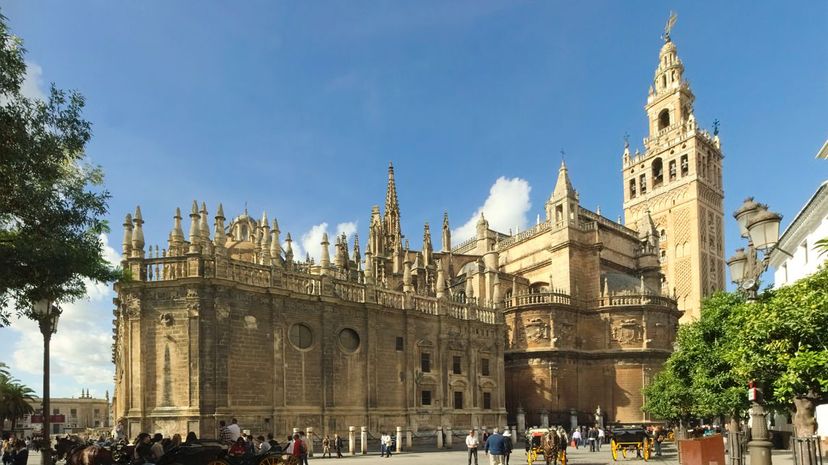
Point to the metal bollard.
(399, 439)
(363, 438)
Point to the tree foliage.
(780, 341)
(783, 341)
(51, 200)
(15, 398)
(698, 379)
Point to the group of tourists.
(242, 446)
(498, 447)
(15, 451)
(589, 437)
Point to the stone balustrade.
(301, 281)
(613, 300)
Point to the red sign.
(52, 419)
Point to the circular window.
(301, 336)
(349, 340)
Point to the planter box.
(702, 451)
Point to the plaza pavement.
(459, 457)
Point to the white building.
(799, 239)
(796, 257)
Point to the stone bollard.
(399, 439)
(439, 437)
(363, 439)
(514, 434)
(352, 440)
(449, 434)
(409, 440)
(309, 433)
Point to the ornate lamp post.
(761, 228)
(47, 315)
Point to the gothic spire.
(138, 234)
(563, 187)
(446, 245)
(127, 242)
(391, 203)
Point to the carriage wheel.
(614, 449)
(646, 452)
(531, 456)
(562, 456)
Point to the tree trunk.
(804, 420)
(805, 424)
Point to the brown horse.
(90, 455)
(65, 446)
(552, 445)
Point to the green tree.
(782, 343)
(698, 379)
(15, 399)
(667, 397)
(51, 200)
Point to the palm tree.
(15, 399)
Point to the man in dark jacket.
(21, 454)
(496, 448)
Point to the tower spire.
(391, 219)
(563, 186)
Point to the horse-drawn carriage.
(630, 439)
(547, 442)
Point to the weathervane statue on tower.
(671, 21)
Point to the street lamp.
(761, 229)
(47, 315)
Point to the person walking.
(303, 460)
(592, 438)
(389, 444)
(326, 446)
(576, 437)
(507, 440)
(472, 443)
(338, 446)
(602, 436)
(495, 448)
(382, 444)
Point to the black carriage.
(630, 439)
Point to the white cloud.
(505, 207)
(311, 241)
(349, 228)
(33, 87)
(81, 348)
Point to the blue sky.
(297, 108)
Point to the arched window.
(663, 119)
(658, 172)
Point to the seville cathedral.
(536, 327)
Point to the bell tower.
(678, 179)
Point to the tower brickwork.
(678, 180)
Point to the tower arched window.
(658, 172)
(663, 119)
